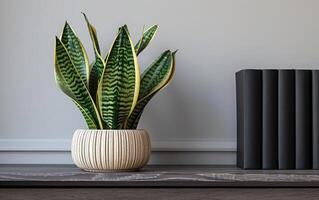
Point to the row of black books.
(277, 119)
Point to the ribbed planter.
(110, 150)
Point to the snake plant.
(110, 92)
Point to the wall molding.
(164, 152)
(63, 145)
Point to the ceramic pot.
(110, 150)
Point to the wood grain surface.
(159, 194)
(154, 176)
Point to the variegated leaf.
(98, 65)
(88, 119)
(155, 78)
(70, 82)
(135, 116)
(147, 37)
(119, 86)
(76, 51)
(95, 76)
(93, 35)
(63, 86)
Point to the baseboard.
(159, 158)
(157, 145)
(57, 151)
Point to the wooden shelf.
(154, 176)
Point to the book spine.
(252, 119)
(286, 119)
(270, 119)
(315, 119)
(303, 119)
(240, 118)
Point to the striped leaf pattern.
(119, 86)
(76, 51)
(109, 93)
(147, 37)
(95, 76)
(98, 65)
(63, 86)
(88, 119)
(156, 74)
(71, 83)
(155, 78)
(135, 116)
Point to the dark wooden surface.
(159, 194)
(66, 182)
(154, 176)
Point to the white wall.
(196, 112)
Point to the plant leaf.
(93, 35)
(147, 37)
(98, 65)
(89, 121)
(135, 116)
(95, 76)
(76, 51)
(70, 82)
(156, 74)
(154, 78)
(119, 86)
(63, 85)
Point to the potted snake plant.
(111, 94)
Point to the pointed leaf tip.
(66, 23)
(66, 27)
(125, 28)
(84, 15)
(146, 38)
(76, 51)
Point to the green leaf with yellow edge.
(71, 83)
(95, 76)
(93, 35)
(147, 37)
(154, 78)
(63, 86)
(88, 119)
(119, 86)
(98, 65)
(76, 51)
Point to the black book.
(303, 119)
(240, 118)
(270, 119)
(286, 119)
(249, 119)
(315, 119)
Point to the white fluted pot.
(110, 150)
